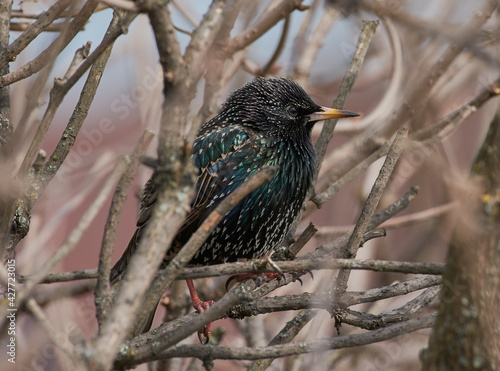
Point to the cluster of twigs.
(215, 56)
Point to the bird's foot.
(269, 275)
(200, 307)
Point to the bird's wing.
(215, 155)
(219, 155)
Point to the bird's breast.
(262, 219)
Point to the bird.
(267, 122)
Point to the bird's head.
(277, 106)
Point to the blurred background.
(406, 46)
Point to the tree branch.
(275, 351)
(103, 289)
(42, 23)
(55, 48)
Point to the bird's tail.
(122, 263)
(148, 200)
(146, 326)
(118, 270)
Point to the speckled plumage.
(266, 122)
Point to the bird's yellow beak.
(330, 113)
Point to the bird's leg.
(200, 307)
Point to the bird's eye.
(292, 111)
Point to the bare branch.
(444, 127)
(304, 238)
(400, 221)
(286, 335)
(334, 247)
(367, 321)
(204, 352)
(7, 206)
(74, 237)
(54, 49)
(271, 16)
(261, 266)
(361, 146)
(122, 4)
(103, 289)
(164, 338)
(42, 22)
(350, 77)
(279, 47)
(320, 300)
(321, 198)
(308, 56)
(371, 204)
(63, 344)
(60, 89)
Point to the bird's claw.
(229, 281)
(301, 272)
(200, 307)
(204, 334)
(310, 273)
(270, 275)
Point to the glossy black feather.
(265, 122)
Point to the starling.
(266, 122)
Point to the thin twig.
(304, 238)
(260, 266)
(454, 34)
(55, 48)
(364, 144)
(334, 247)
(308, 56)
(74, 236)
(23, 26)
(70, 13)
(348, 81)
(286, 335)
(398, 222)
(393, 94)
(164, 336)
(45, 295)
(103, 288)
(438, 131)
(80, 55)
(65, 144)
(267, 20)
(62, 343)
(301, 39)
(324, 300)
(122, 4)
(60, 89)
(370, 205)
(320, 198)
(279, 47)
(42, 22)
(301, 347)
(422, 303)
(215, 68)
